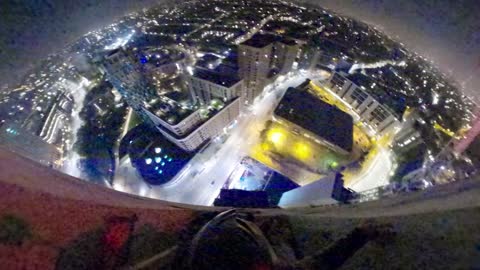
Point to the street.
(202, 178)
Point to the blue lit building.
(125, 71)
(156, 159)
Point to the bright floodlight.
(158, 159)
(158, 150)
(276, 136)
(148, 161)
(301, 150)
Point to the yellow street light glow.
(276, 136)
(302, 151)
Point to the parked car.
(419, 185)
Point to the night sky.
(446, 31)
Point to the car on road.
(419, 185)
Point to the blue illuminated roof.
(156, 159)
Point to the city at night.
(240, 134)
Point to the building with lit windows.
(306, 114)
(409, 136)
(199, 126)
(125, 71)
(205, 85)
(19, 140)
(263, 58)
(371, 101)
(187, 124)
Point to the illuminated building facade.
(262, 58)
(126, 73)
(201, 125)
(187, 125)
(16, 139)
(369, 100)
(205, 85)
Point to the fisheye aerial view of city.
(239, 134)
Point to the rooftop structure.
(209, 61)
(156, 159)
(328, 190)
(215, 77)
(260, 40)
(169, 112)
(206, 85)
(302, 109)
(201, 125)
(159, 57)
(263, 58)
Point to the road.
(79, 91)
(200, 182)
(378, 174)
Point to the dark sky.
(447, 31)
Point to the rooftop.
(287, 41)
(208, 61)
(260, 40)
(215, 77)
(327, 121)
(169, 112)
(206, 112)
(156, 159)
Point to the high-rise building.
(187, 124)
(16, 139)
(285, 54)
(409, 136)
(255, 57)
(125, 72)
(262, 58)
